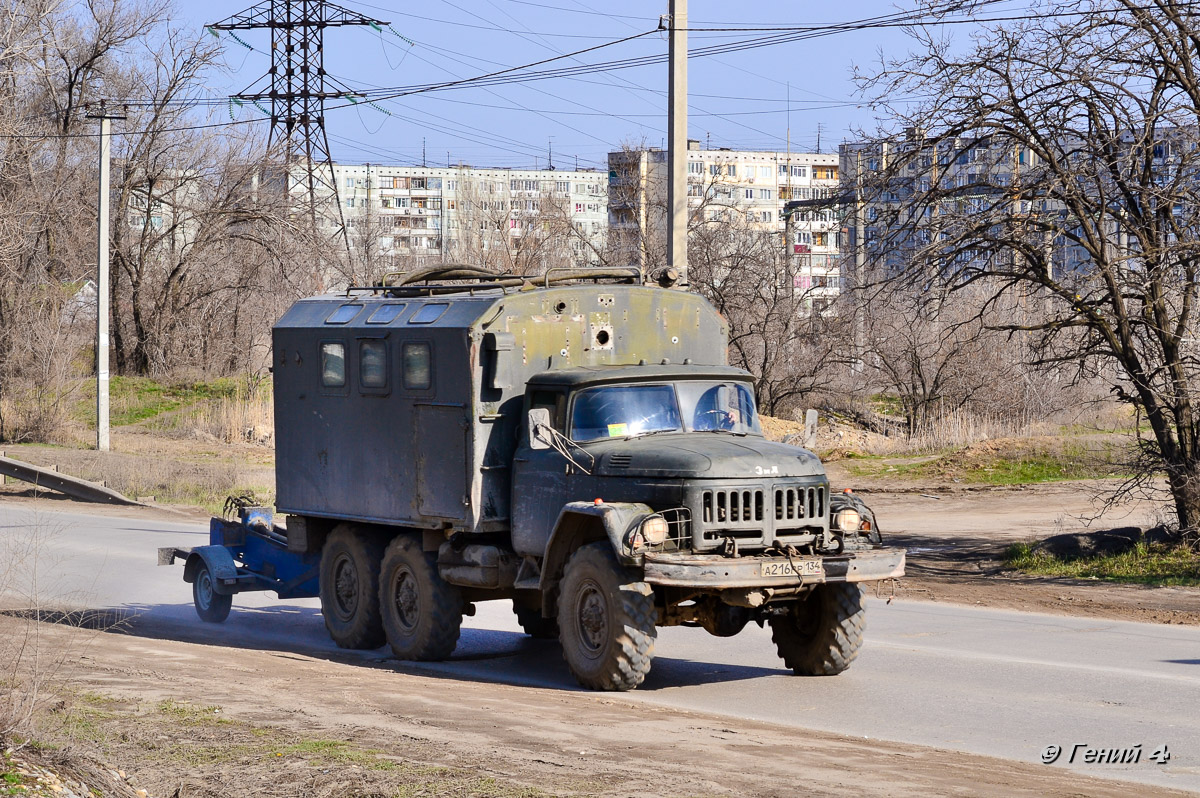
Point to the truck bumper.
(707, 571)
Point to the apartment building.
(522, 219)
(973, 176)
(738, 188)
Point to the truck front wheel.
(606, 621)
(820, 635)
(350, 588)
(422, 614)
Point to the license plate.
(801, 568)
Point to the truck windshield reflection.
(625, 411)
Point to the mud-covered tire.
(533, 624)
(821, 634)
(422, 613)
(350, 588)
(211, 606)
(606, 620)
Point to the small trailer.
(245, 553)
(577, 446)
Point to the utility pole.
(102, 280)
(677, 203)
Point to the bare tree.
(1055, 164)
(189, 212)
(203, 246)
(792, 348)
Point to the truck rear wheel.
(606, 621)
(422, 614)
(350, 588)
(821, 634)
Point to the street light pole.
(677, 201)
(102, 280)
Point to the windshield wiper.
(724, 432)
(650, 432)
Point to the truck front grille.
(798, 503)
(757, 516)
(733, 507)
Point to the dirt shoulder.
(956, 537)
(183, 719)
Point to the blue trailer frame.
(247, 554)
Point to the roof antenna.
(550, 153)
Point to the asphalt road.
(972, 679)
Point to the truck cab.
(666, 467)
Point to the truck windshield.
(719, 407)
(621, 411)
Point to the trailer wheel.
(422, 613)
(533, 624)
(821, 634)
(211, 606)
(350, 588)
(606, 620)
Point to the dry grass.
(242, 418)
(173, 471)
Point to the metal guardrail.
(62, 483)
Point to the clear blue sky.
(738, 100)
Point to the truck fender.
(580, 523)
(220, 564)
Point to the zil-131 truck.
(576, 445)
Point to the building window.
(749, 193)
(764, 171)
(714, 169)
(695, 168)
(766, 193)
(732, 169)
(415, 360)
(372, 364)
(333, 364)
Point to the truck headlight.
(654, 530)
(848, 520)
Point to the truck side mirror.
(539, 428)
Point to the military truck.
(576, 445)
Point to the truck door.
(540, 483)
(441, 449)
